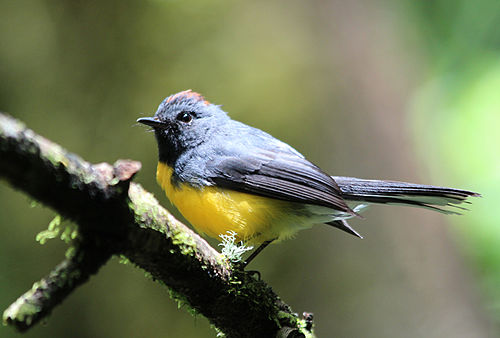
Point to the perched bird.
(223, 175)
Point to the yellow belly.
(215, 211)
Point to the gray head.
(182, 121)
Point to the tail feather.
(344, 226)
(440, 199)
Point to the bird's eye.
(185, 116)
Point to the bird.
(227, 177)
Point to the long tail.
(392, 192)
(362, 192)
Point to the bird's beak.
(152, 122)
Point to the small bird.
(223, 175)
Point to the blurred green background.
(376, 89)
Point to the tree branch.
(117, 217)
(51, 290)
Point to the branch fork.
(116, 216)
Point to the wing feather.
(284, 176)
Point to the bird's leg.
(255, 253)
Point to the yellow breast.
(215, 211)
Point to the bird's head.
(183, 121)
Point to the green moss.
(70, 252)
(182, 302)
(23, 313)
(148, 217)
(286, 315)
(256, 291)
(124, 260)
(223, 261)
(74, 275)
(220, 334)
(52, 231)
(56, 156)
(148, 214)
(88, 178)
(184, 241)
(140, 201)
(148, 275)
(34, 203)
(302, 325)
(67, 233)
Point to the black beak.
(152, 122)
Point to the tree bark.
(115, 216)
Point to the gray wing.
(276, 173)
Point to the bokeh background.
(405, 90)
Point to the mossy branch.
(45, 294)
(117, 217)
